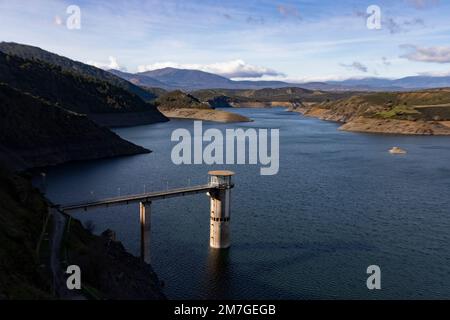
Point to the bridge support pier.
(145, 221)
(220, 209)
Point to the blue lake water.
(339, 203)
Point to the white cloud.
(306, 79)
(430, 54)
(435, 74)
(230, 69)
(113, 64)
(356, 66)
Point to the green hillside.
(73, 91)
(427, 105)
(223, 97)
(39, 133)
(34, 53)
(178, 99)
(23, 214)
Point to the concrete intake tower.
(221, 184)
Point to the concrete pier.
(145, 223)
(221, 184)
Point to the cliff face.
(34, 133)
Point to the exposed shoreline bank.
(405, 127)
(379, 126)
(205, 115)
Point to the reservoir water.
(340, 203)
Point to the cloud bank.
(230, 69)
(356, 66)
(112, 64)
(430, 54)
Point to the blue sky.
(301, 40)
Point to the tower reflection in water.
(217, 277)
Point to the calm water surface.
(339, 203)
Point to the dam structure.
(218, 189)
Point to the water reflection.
(218, 276)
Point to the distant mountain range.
(184, 79)
(172, 78)
(141, 80)
(408, 83)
